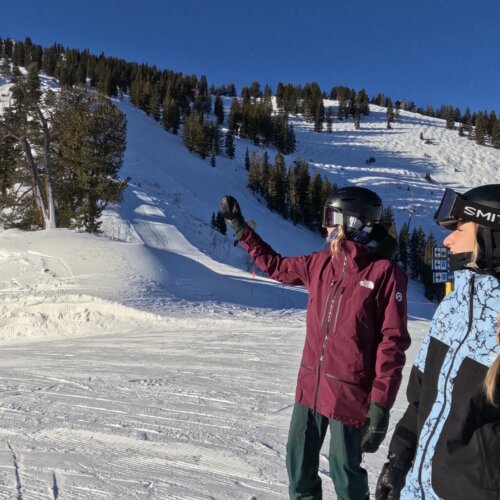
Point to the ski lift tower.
(411, 210)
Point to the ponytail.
(336, 243)
(490, 382)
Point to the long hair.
(475, 251)
(336, 243)
(490, 381)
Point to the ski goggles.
(454, 207)
(332, 216)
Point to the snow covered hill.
(153, 362)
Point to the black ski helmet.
(488, 238)
(359, 206)
(482, 206)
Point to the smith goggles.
(454, 207)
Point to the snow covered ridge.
(61, 283)
(45, 317)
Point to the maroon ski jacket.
(356, 326)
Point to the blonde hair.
(490, 381)
(336, 243)
(475, 252)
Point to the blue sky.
(432, 52)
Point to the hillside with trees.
(61, 150)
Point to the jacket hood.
(382, 246)
(358, 255)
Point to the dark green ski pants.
(305, 439)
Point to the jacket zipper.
(327, 331)
(427, 444)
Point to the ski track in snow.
(144, 416)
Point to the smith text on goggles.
(454, 207)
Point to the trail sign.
(440, 265)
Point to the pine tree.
(390, 113)
(480, 129)
(267, 94)
(293, 196)
(491, 121)
(469, 128)
(315, 200)
(90, 138)
(416, 252)
(27, 122)
(247, 160)
(277, 181)
(214, 136)
(171, 116)
(154, 103)
(265, 176)
(387, 220)
(254, 175)
(329, 119)
(495, 136)
(352, 103)
(403, 245)
(202, 100)
(342, 108)
(254, 90)
(357, 119)
(303, 180)
(364, 106)
(234, 117)
(229, 144)
(219, 109)
(283, 135)
(18, 209)
(326, 189)
(201, 136)
(449, 116)
(5, 67)
(319, 116)
(191, 131)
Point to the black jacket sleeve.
(404, 440)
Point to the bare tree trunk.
(40, 203)
(48, 167)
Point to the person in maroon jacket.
(355, 341)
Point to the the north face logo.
(367, 284)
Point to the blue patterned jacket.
(450, 434)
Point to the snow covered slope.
(152, 362)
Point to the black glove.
(377, 422)
(230, 210)
(391, 480)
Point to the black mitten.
(377, 422)
(230, 210)
(391, 480)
